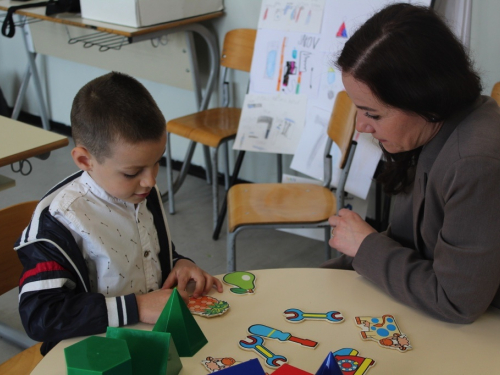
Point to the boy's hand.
(151, 305)
(184, 271)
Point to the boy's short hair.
(114, 107)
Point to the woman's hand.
(151, 305)
(348, 231)
(184, 271)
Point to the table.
(20, 141)
(438, 347)
(130, 35)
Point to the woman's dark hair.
(412, 61)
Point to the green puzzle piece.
(152, 352)
(177, 319)
(98, 355)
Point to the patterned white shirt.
(118, 241)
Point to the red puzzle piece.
(286, 369)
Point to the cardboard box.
(139, 13)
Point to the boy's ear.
(82, 158)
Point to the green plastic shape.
(152, 352)
(178, 320)
(98, 355)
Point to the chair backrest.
(495, 92)
(237, 50)
(342, 124)
(13, 220)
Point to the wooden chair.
(495, 92)
(295, 205)
(212, 127)
(13, 220)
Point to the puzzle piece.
(207, 306)
(297, 316)
(272, 333)
(286, 369)
(216, 364)
(351, 363)
(244, 282)
(98, 355)
(177, 320)
(384, 330)
(254, 343)
(329, 366)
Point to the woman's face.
(396, 130)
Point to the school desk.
(438, 347)
(110, 36)
(20, 141)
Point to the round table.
(438, 347)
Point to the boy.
(98, 251)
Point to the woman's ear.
(82, 158)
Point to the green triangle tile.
(178, 320)
(98, 355)
(151, 352)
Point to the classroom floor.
(191, 229)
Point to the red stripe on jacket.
(41, 267)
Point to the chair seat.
(24, 362)
(209, 127)
(253, 204)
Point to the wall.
(62, 78)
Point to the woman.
(417, 94)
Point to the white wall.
(62, 78)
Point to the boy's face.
(130, 172)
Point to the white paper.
(271, 123)
(286, 62)
(292, 15)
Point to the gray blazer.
(441, 253)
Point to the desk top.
(438, 347)
(20, 141)
(75, 20)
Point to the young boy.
(98, 251)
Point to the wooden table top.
(71, 19)
(20, 141)
(438, 347)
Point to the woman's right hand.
(348, 232)
(151, 305)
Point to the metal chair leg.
(231, 251)
(215, 187)
(208, 165)
(328, 249)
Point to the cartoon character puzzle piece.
(254, 343)
(351, 363)
(384, 330)
(216, 364)
(244, 282)
(177, 320)
(251, 367)
(286, 369)
(207, 306)
(329, 366)
(272, 333)
(297, 316)
(98, 355)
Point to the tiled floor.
(191, 229)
